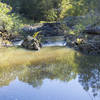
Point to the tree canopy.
(52, 9)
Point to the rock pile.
(89, 45)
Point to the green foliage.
(5, 19)
(48, 10)
(77, 7)
(35, 9)
(52, 10)
(51, 15)
(36, 34)
(17, 23)
(8, 20)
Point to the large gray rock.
(31, 43)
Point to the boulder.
(31, 43)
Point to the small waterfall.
(55, 44)
(47, 41)
(54, 41)
(18, 43)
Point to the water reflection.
(86, 68)
(89, 74)
(8, 74)
(35, 76)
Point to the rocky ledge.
(88, 39)
(45, 29)
(87, 42)
(88, 45)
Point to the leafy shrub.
(51, 15)
(8, 20)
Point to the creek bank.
(8, 40)
(89, 45)
(88, 41)
(26, 42)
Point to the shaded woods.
(52, 9)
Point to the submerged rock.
(31, 43)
